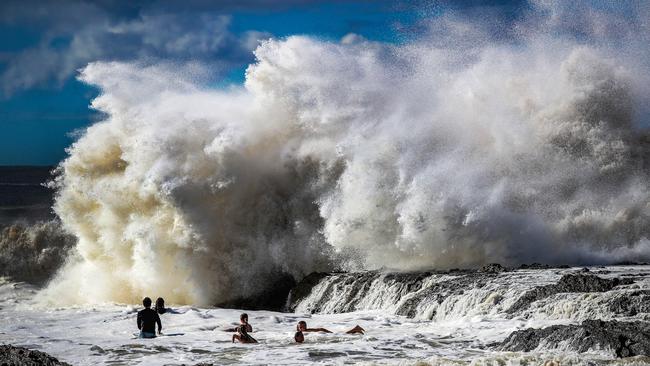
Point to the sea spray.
(355, 155)
(33, 252)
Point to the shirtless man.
(242, 330)
(243, 320)
(242, 335)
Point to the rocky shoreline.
(19, 356)
(619, 339)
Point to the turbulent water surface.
(462, 326)
(371, 162)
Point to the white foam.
(102, 334)
(434, 153)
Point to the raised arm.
(317, 330)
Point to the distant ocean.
(23, 196)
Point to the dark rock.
(534, 266)
(349, 289)
(630, 263)
(631, 304)
(568, 283)
(622, 339)
(303, 289)
(493, 268)
(19, 356)
(273, 297)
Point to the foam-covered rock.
(620, 339)
(568, 283)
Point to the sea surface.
(464, 330)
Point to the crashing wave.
(355, 155)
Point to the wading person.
(242, 335)
(243, 320)
(147, 320)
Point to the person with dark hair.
(242, 335)
(147, 320)
(242, 330)
(243, 320)
(299, 337)
(160, 306)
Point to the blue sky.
(43, 44)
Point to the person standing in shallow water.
(147, 320)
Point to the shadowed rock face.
(568, 283)
(19, 356)
(303, 289)
(621, 339)
(273, 298)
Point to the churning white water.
(452, 150)
(462, 329)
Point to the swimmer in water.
(243, 320)
(301, 328)
(160, 306)
(242, 335)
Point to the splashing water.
(436, 153)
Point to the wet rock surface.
(414, 292)
(272, 298)
(581, 282)
(303, 289)
(631, 303)
(19, 356)
(413, 284)
(493, 268)
(620, 339)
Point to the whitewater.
(389, 168)
(465, 329)
(354, 155)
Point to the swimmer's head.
(146, 302)
(299, 337)
(243, 318)
(302, 326)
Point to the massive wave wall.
(451, 150)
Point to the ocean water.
(453, 149)
(464, 331)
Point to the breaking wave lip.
(356, 155)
